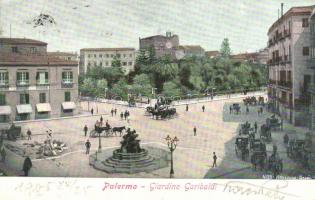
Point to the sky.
(120, 23)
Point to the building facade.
(260, 56)
(189, 51)
(312, 65)
(34, 85)
(289, 65)
(91, 57)
(163, 45)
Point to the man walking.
(195, 131)
(85, 129)
(247, 109)
(203, 108)
(87, 146)
(29, 134)
(214, 160)
(115, 111)
(255, 127)
(27, 165)
(92, 111)
(112, 112)
(186, 107)
(3, 155)
(101, 120)
(121, 115)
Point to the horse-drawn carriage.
(250, 101)
(241, 147)
(161, 112)
(258, 154)
(297, 151)
(236, 108)
(265, 133)
(106, 131)
(275, 164)
(12, 133)
(274, 123)
(246, 129)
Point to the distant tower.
(168, 34)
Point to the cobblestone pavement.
(216, 132)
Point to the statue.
(130, 144)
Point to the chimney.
(281, 9)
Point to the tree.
(120, 89)
(142, 85)
(171, 89)
(225, 50)
(151, 55)
(100, 87)
(164, 72)
(116, 62)
(113, 75)
(88, 87)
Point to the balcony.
(42, 82)
(4, 84)
(285, 84)
(22, 83)
(66, 84)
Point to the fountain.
(130, 157)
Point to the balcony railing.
(4, 84)
(287, 84)
(67, 84)
(22, 83)
(41, 82)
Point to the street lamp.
(171, 143)
(99, 139)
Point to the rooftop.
(157, 36)
(212, 53)
(108, 49)
(305, 10)
(59, 53)
(9, 59)
(21, 41)
(191, 47)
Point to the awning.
(5, 110)
(43, 107)
(68, 105)
(23, 109)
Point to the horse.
(119, 130)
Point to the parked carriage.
(246, 129)
(107, 131)
(258, 154)
(12, 133)
(250, 101)
(241, 147)
(265, 133)
(274, 123)
(236, 108)
(161, 112)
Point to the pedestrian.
(247, 110)
(27, 165)
(186, 107)
(195, 131)
(29, 134)
(112, 112)
(261, 110)
(92, 111)
(231, 109)
(101, 120)
(281, 124)
(203, 108)
(115, 111)
(107, 124)
(121, 115)
(258, 112)
(85, 129)
(126, 115)
(214, 160)
(87, 146)
(255, 126)
(3, 155)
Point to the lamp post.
(99, 139)
(171, 143)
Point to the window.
(4, 78)
(14, 49)
(42, 78)
(67, 96)
(22, 78)
(124, 63)
(305, 22)
(124, 55)
(100, 55)
(118, 55)
(2, 99)
(107, 55)
(33, 50)
(130, 55)
(101, 64)
(106, 63)
(129, 63)
(94, 55)
(306, 51)
(111, 55)
(89, 56)
(89, 64)
(67, 77)
(24, 99)
(42, 97)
